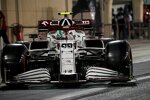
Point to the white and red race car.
(69, 54)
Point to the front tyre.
(119, 58)
(13, 61)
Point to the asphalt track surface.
(138, 89)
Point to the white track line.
(143, 78)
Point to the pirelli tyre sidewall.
(119, 57)
(13, 61)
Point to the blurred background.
(27, 13)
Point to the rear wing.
(64, 24)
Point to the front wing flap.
(104, 74)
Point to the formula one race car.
(71, 53)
